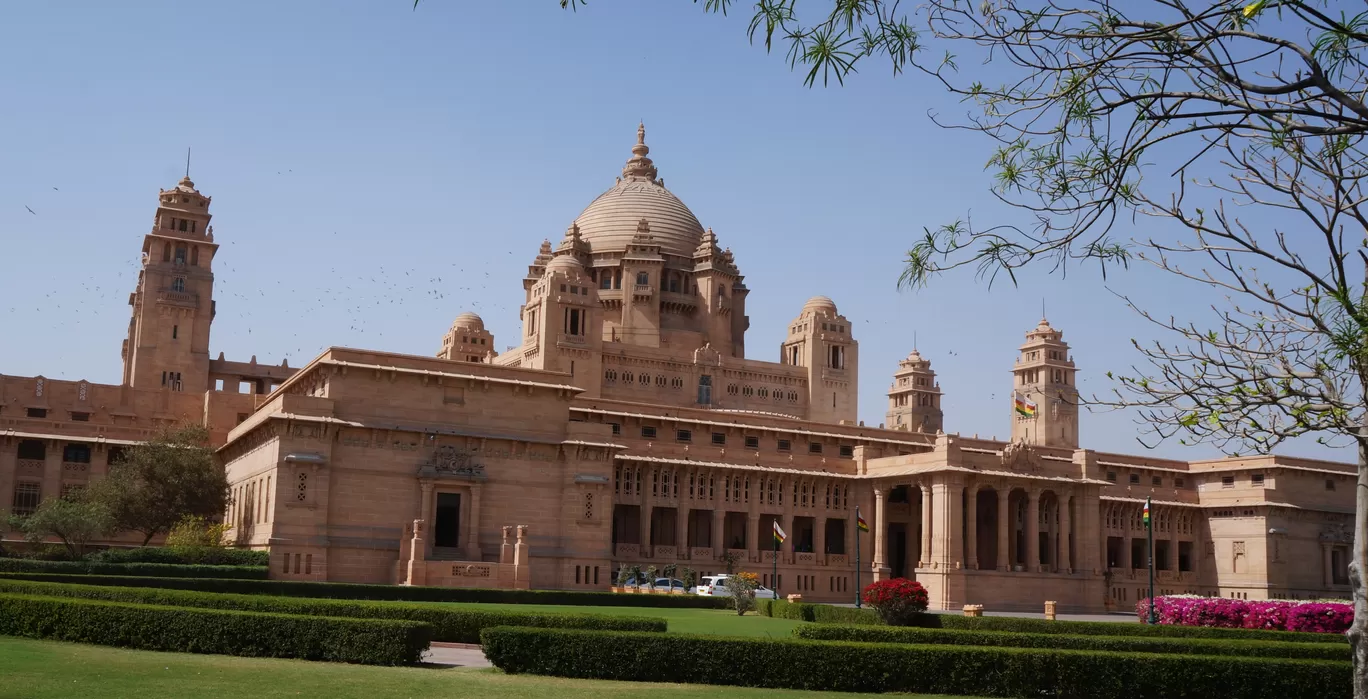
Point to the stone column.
(971, 527)
(1173, 541)
(425, 506)
(819, 539)
(1065, 529)
(473, 530)
(1124, 561)
(1004, 529)
(682, 530)
(880, 532)
(753, 535)
(926, 528)
(947, 544)
(786, 548)
(52, 470)
(646, 510)
(1033, 530)
(719, 518)
(1327, 567)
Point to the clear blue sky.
(378, 170)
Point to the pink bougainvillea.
(1274, 615)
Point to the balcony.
(678, 301)
(805, 558)
(700, 553)
(575, 340)
(177, 298)
(837, 559)
(626, 550)
(30, 467)
(666, 552)
(642, 291)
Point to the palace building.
(628, 426)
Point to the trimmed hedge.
(449, 624)
(1129, 644)
(394, 593)
(893, 667)
(823, 613)
(146, 627)
(150, 570)
(183, 555)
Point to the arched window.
(194, 256)
(643, 278)
(178, 284)
(180, 255)
(606, 281)
(166, 252)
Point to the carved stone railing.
(805, 558)
(177, 298)
(666, 552)
(837, 559)
(700, 553)
(768, 556)
(30, 467)
(742, 555)
(643, 290)
(564, 339)
(627, 550)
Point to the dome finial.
(640, 167)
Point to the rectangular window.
(785, 445)
(648, 432)
(26, 498)
(683, 435)
(80, 417)
(617, 428)
(1257, 479)
(814, 447)
(847, 451)
(1135, 479)
(1179, 482)
(719, 438)
(76, 453)
(1111, 476)
(1329, 484)
(1156, 480)
(752, 442)
(37, 412)
(1227, 481)
(705, 390)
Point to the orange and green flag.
(779, 534)
(860, 522)
(1023, 406)
(1146, 511)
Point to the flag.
(779, 534)
(1147, 519)
(860, 523)
(1023, 406)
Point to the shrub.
(198, 555)
(197, 532)
(891, 667)
(741, 591)
(449, 624)
(20, 565)
(897, 601)
(400, 593)
(824, 613)
(1131, 644)
(366, 641)
(1276, 615)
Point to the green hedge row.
(828, 614)
(396, 593)
(184, 555)
(365, 641)
(449, 624)
(24, 565)
(1129, 644)
(894, 667)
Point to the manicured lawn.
(719, 622)
(51, 670)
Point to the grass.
(51, 670)
(717, 622)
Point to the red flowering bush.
(1274, 615)
(897, 601)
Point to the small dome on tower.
(564, 263)
(468, 321)
(820, 303)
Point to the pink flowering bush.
(1273, 615)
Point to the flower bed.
(1277, 615)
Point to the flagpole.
(774, 577)
(857, 556)
(1149, 529)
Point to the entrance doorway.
(446, 531)
(897, 549)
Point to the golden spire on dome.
(640, 167)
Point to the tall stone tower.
(914, 401)
(821, 340)
(173, 305)
(1045, 392)
(562, 320)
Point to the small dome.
(468, 321)
(566, 263)
(820, 303)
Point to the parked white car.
(716, 586)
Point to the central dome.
(609, 223)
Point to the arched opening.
(1016, 535)
(986, 522)
(1048, 531)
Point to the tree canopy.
(164, 480)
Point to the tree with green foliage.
(162, 481)
(76, 519)
(1233, 130)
